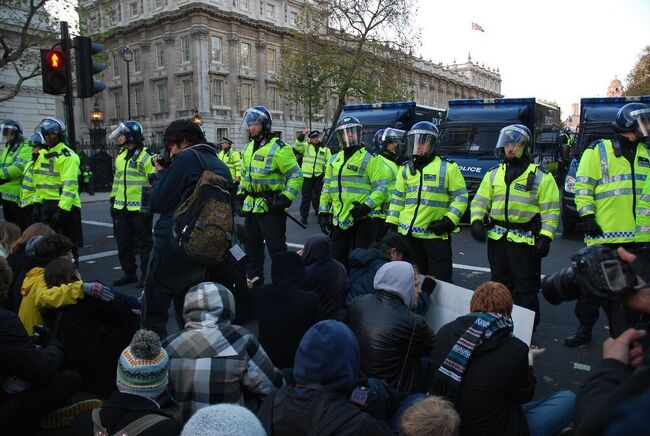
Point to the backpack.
(133, 429)
(204, 223)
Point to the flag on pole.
(476, 26)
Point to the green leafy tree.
(638, 81)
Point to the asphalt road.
(559, 368)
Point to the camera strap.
(408, 353)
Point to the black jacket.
(364, 264)
(497, 381)
(122, 409)
(385, 327)
(324, 275)
(20, 263)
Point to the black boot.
(582, 336)
(125, 280)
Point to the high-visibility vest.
(609, 188)
(56, 176)
(381, 211)
(361, 178)
(427, 195)
(232, 159)
(642, 232)
(12, 164)
(27, 189)
(313, 161)
(518, 203)
(131, 176)
(271, 169)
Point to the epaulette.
(280, 143)
(447, 159)
(66, 152)
(594, 144)
(493, 168)
(149, 152)
(544, 169)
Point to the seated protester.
(38, 298)
(93, 332)
(326, 371)
(285, 311)
(212, 361)
(324, 275)
(223, 420)
(432, 416)
(488, 374)
(30, 381)
(392, 338)
(365, 262)
(9, 233)
(142, 375)
(21, 260)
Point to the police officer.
(56, 178)
(133, 165)
(429, 199)
(355, 184)
(232, 158)
(314, 159)
(388, 144)
(15, 155)
(28, 198)
(609, 181)
(270, 182)
(519, 202)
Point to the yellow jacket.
(38, 298)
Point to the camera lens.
(560, 286)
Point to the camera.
(596, 270)
(163, 159)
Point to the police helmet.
(348, 132)
(513, 135)
(387, 136)
(51, 126)
(633, 117)
(37, 140)
(257, 114)
(421, 139)
(132, 131)
(11, 129)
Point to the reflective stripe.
(493, 175)
(425, 202)
(269, 158)
(291, 190)
(613, 193)
(292, 173)
(604, 168)
(616, 178)
(263, 171)
(397, 202)
(550, 216)
(548, 228)
(27, 188)
(514, 213)
(71, 183)
(443, 172)
(587, 192)
(456, 212)
(46, 173)
(350, 189)
(585, 179)
(425, 188)
(370, 203)
(56, 187)
(68, 194)
(458, 192)
(643, 211)
(269, 182)
(610, 235)
(393, 213)
(354, 179)
(364, 164)
(584, 210)
(549, 205)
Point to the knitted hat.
(143, 366)
(223, 419)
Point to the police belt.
(526, 227)
(264, 194)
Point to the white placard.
(449, 301)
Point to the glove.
(442, 226)
(360, 211)
(36, 214)
(478, 231)
(239, 204)
(391, 228)
(112, 211)
(590, 226)
(97, 290)
(542, 246)
(60, 217)
(325, 222)
(281, 203)
(41, 335)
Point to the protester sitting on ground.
(20, 261)
(142, 376)
(365, 262)
(9, 233)
(223, 420)
(213, 361)
(326, 372)
(93, 332)
(324, 275)
(432, 416)
(488, 373)
(38, 298)
(392, 338)
(285, 311)
(30, 380)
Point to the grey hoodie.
(397, 278)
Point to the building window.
(186, 55)
(157, 4)
(186, 86)
(161, 91)
(270, 10)
(137, 97)
(137, 60)
(246, 91)
(116, 65)
(117, 105)
(133, 9)
(216, 93)
(271, 60)
(160, 55)
(272, 98)
(243, 4)
(245, 55)
(216, 55)
(221, 133)
(293, 17)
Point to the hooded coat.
(391, 337)
(324, 275)
(285, 311)
(212, 361)
(364, 264)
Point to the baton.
(294, 219)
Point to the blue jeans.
(551, 414)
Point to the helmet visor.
(8, 130)
(121, 129)
(37, 140)
(420, 142)
(642, 117)
(50, 126)
(253, 116)
(348, 135)
(511, 137)
(394, 136)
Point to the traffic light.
(54, 68)
(87, 86)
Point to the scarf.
(449, 375)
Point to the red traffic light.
(55, 60)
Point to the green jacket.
(131, 176)
(12, 164)
(56, 176)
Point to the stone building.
(216, 58)
(615, 88)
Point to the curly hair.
(492, 297)
(51, 247)
(33, 230)
(6, 277)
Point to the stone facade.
(219, 57)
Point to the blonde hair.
(432, 416)
(492, 297)
(9, 234)
(31, 231)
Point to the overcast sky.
(558, 50)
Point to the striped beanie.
(143, 366)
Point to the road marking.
(100, 255)
(98, 223)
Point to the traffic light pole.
(68, 100)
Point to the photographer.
(171, 273)
(613, 399)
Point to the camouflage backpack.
(203, 224)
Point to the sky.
(552, 49)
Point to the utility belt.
(534, 225)
(267, 195)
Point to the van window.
(468, 140)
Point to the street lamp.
(127, 55)
(197, 119)
(96, 115)
(97, 133)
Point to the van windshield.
(478, 140)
